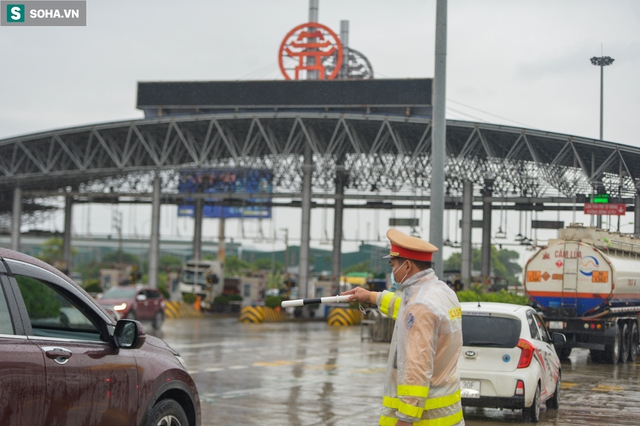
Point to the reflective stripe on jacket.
(423, 384)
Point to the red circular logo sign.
(306, 47)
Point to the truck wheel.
(612, 352)
(564, 353)
(633, 341)
(624, 343)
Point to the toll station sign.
(605, 209)
(306, 47)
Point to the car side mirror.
(128, 334)
(559, 339)
(141, 298)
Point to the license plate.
(556, 325)
(470, 389)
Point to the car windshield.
(120, 293)
(490, 331)
(187, 277)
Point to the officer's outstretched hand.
(360, 294)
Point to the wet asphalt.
(308, 373)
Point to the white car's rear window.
(490, 331)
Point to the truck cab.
(202, 278)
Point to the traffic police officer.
(423, 384)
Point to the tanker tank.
(587, 284)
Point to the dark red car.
(65, 361)
(135, 302)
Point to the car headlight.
(181, 361)
(120, 307)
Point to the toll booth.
(253, 288)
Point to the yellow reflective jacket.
(423, 384)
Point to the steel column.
(337, 229)
(303, 272)
(636, 216)
(438, 153)
(154, 243)
(467, 220)
(15, 219)
(344, 39)
(487, 192)
(197, 229)
(66, 238)
(313, 17)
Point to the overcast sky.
(515, 62)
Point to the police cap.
(408, 247)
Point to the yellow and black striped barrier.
(258, 314)
(344, 316)
(174, 310)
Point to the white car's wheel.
(553, 403)
(532, 413)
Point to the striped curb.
(258, 314)
(344, 316)
(174, 310)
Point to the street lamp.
(602, 62)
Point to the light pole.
(601, 61)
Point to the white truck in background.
(204, 278)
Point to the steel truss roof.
(378, 153)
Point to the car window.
(120, 293)
(53, 314)
(152, 294)
(544, 333)
(533, 327)
(6, 325)
(490, 331)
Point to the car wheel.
(553, 403)
(633, 341)
(132, 315)
(167, 413)
(532, 413)
(624, 343)
(612, 352)
(158, 320)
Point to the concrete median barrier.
(175, 310)
(344, 316)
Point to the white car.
(508, 359)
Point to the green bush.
(501, 296)
(93, 286)
(234, 297)
(223, 299)
(162, 288)
(189, 298)
(272, 301)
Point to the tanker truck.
(587, 284)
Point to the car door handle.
(59, 355)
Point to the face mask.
(395, 285)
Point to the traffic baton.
(315, 301)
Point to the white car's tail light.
(527, 353)
(520, 388)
